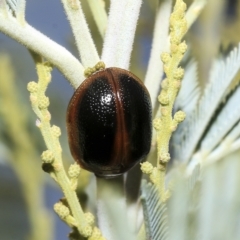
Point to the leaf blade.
(155, 224)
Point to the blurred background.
(27, 194)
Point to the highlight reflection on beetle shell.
(109, 122)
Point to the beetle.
(109, 122)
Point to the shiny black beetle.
(109, 122)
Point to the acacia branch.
(34, 40)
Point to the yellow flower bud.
(61, 210)
(74, 170)
(100, 65)
(178, 74)
(89, 218)
(47, 156)
(87, 231)
(179, 116)
(164, 157)
(165, 57)
(43, 102)
(182, 47)
(56, 131)
(157, 123)
(146, 167)
(163, 99)
(164, 84)
(32, 87)
(96, 235)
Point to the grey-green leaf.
(190, 131)
(155, 213)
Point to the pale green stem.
(160, 44)
(52, 143)
(119, 36)
(111, 208)
(84, 42)
(168, 95)
(61, 175)
(20, 11)
(34, 40)
(72, 199)
(99, 14)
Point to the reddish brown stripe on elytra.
(121, 141)
(72, 123)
